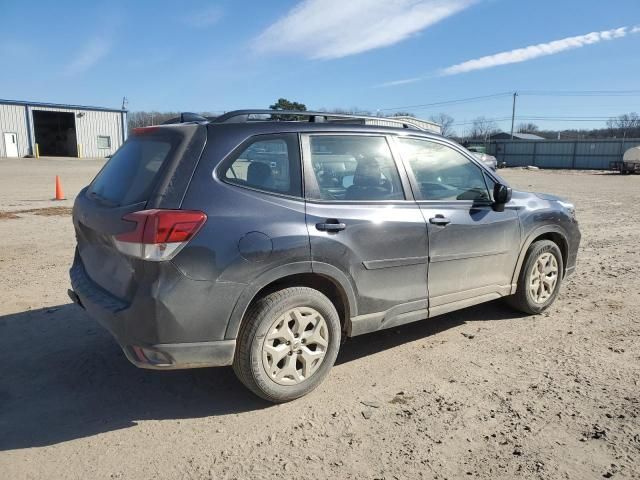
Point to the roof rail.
(186, 117)
(241, 116)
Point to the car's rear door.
(363, 222)
(473, 249)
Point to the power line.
(581, 93)
(543, 118)
(448, 102)
(502, 119)
(539, 93)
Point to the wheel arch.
(549, 232)
(322, 277)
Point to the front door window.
(354, 168)
(443, 173)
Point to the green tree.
(284, 104)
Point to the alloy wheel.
(295, 346)
(543, 278)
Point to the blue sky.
(199, 55)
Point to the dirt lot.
(482, 393)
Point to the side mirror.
(501, 196)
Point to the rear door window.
(270, 163)
(128, 177)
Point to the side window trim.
(294, 156)
(311, 188)
(414, 182)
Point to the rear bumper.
(122, 321)
(175, 356)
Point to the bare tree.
(624, 122)
(445, 121)
(147, 118)
(482, 128)
(528, 128)
(627, 125)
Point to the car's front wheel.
(540, 278)
(288, 343)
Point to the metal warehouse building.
(48, 129)
(427, 125)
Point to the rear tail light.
(159, 234)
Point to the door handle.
(331, 225)
(440, 220)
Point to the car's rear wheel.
(540, 278)
(288, 343)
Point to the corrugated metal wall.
(381, 122)
(89, 125)
(13, 119)
(578, 154)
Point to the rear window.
(128, 177)
(267, 162)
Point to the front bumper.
(116, 316)
(573, 247)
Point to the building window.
(104, 141)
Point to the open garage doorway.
(55, 133)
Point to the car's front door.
(473, 249)
(363, 222)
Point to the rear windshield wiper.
(103, 200)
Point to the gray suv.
(263, 240)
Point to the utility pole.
(513, 113)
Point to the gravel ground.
(482, 393)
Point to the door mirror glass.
(501, 196)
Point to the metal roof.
(517, 136)
(25, 103)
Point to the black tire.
(522, 299)
(248, 363)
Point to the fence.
(578, 154)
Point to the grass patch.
(43, 212)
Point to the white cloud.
(92, 52)
(325, 29)
(204, 18)
(534, 51)
(405, 81)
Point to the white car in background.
(489, 160)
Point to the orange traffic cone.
(59, 192)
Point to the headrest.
(258, 173)
(368, 173)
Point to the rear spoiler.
(187, 117)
